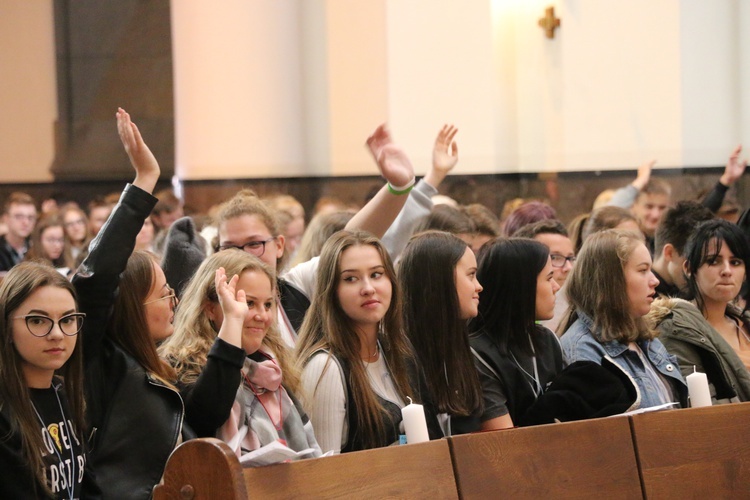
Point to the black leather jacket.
(136, 420)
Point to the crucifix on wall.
(549, 22)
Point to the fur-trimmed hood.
(662, 307)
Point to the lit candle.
(415, 423)
(700, 395)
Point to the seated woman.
(48, 244)
(233, 369)
(41, 387)
(132, 406)
(711, 335)
(357, 366)
(516, 358)
(77, 236)
(610, 291)
(438, 272)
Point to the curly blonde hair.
(187, 349)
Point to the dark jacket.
(293, 302)
(135, 419)
(208, 401)
(519, 389)
(664, 289)
(8, 256)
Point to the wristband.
(400, 190)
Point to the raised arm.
(733, 170)
(419, 204)
(625, 197)
(146, 167)
(379, 213)
(208, 402)
(444, 156)
(97, 279)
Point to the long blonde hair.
(187, 349)
(327, 327)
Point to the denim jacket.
(580, 343)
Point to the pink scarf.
(265, 380)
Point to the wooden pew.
(695, 453)
(702, 452)
(206, 468)
(589, 459)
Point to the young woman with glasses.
(135, 411)
(42, 422)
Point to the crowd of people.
(130, 328)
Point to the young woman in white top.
(357, 365)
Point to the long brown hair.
(23, 280)
(36, 251)
(597, 287)
(187, 349)
(433, 320)
(327, 327)
(128, 324)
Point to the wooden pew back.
(206, 468)
(695, 453)
(417, 471)
(702, 452)
(587, 459)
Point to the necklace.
(536, 387)
(69, 487)
(374, 355)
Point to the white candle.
(700, 395)
(415, 423)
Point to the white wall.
(28, 89)
(238, 100)
(293, 87)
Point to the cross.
(549, 22)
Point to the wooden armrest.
(202, 468)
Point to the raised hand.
(391, 159)
(643, 175)
(444, 155)
(146, 167)
(232, 301)
(735, 167)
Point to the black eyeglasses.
(256, 248)
(41, 326)
(559, 260)
(172, 296)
